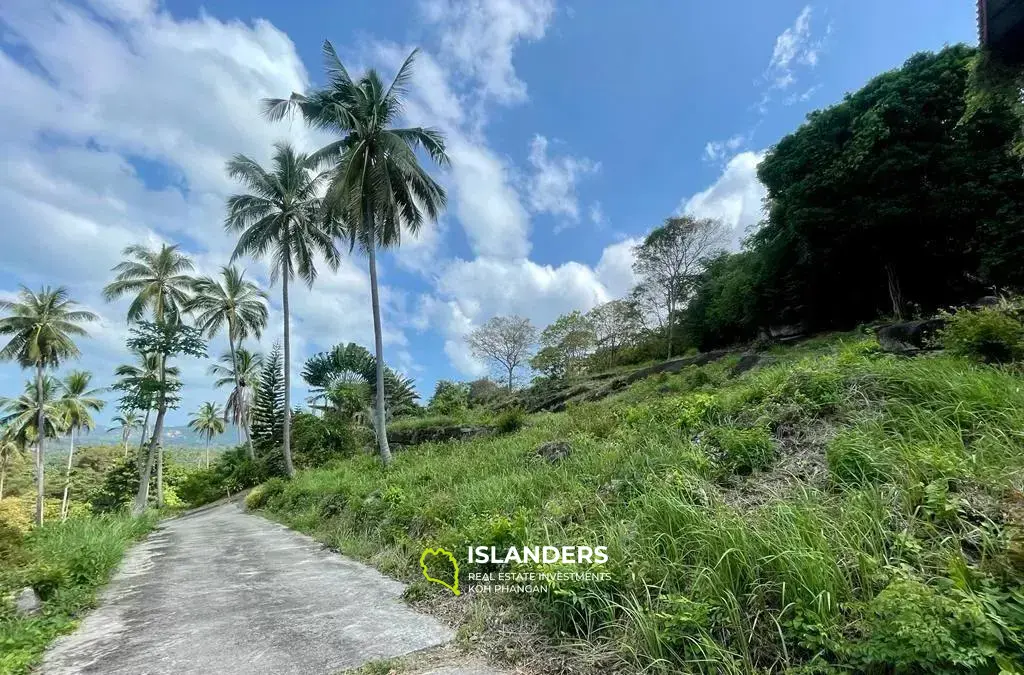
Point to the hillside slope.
(836, 509)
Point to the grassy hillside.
(838, 510)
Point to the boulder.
(908, 337)
(746, 362)
(27, 603)
(987, 301)
(553, 451)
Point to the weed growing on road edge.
(66, 563)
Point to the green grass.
(66, 563)
(905, 533)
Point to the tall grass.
(922, 455)
(66, 563)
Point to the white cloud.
(615, 268)
(794, 47)
(552, 187)
(479, 37)
(735, 198)
(118, 134)
(597, 214)
(717, 150)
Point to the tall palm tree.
(10, 450)
(377, 185)
(161, 283)
(126, 421)
(42, 327)
(239, 404)
(207, 422)
(240, 305)
(77, 400)
(281, 218)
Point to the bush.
(989, 334)
(317, 440)
(482, 392)
(510, 421)
(741, 451)
(261, 494)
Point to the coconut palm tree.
(161, 283)
(42, 327)
(77, 400)
(240, 400)
(207, 422)
(10, 450)
(281, 218)
(126, 421)
(377, 186)
(132, 377)
(240, 305)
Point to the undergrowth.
(65, 563)
(906, 557)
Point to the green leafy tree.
(129, 419)
(671, 258)
(377, 186)
(282, 217)
(564, 345)
(42, 327)
(78, 402)
(208, 422)
(450, 398)
(166, 340)
(134, 380)
(161, 284)
(268, 415)
(240, 306)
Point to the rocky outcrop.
(440, 434)
(909, 337)
(554, 451)
(27, 603)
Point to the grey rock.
(987, 301)
(747, 362)
(27, 603)
(908, 337)
(554, 451)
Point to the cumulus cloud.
(478, 39)
(114, 130)
(736, 198)
(552, 186)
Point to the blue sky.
(572, 128)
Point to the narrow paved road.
(224, 592)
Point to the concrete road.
(224, 592)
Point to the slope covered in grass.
(837, 508)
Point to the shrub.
(741, 451)
(450, 398)
(989, 334)
(317, 440)
(261, 494)
(482, 392)
(510, 421)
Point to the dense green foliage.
(268, 407)
(988, 334)
(838, 509)
(893, 201)
(65, 563)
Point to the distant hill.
(178, 437)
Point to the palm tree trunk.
(378, 343)
(125, 433)
(67, 479)
(145, 427)
(238, 388)
(146, 465)
(207, 452)
(286, 447)
(40, 433)
(159, 445)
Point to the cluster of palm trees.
(363, 188)
(68, 405)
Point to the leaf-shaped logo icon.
(438, 557)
